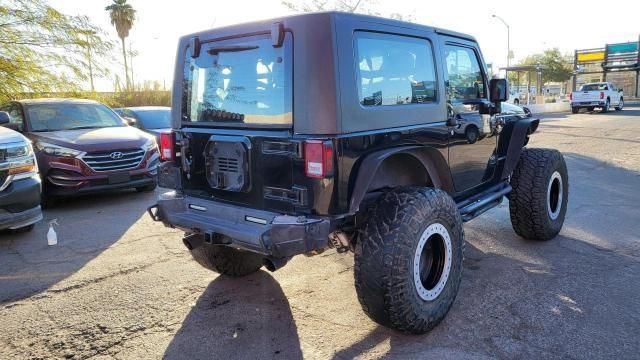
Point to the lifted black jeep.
(343, 131)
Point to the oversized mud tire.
(538, 202)
(227, 261)
(408, 259)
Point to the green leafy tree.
(557, 69)
(122, 17)
(43, 50)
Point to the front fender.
(513, 137)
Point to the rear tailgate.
(244, 167)
(586, 96)
(237, 117)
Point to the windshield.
(155, 119)
(54, 117)
(593, 87)
(239, 83)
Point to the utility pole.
(508, 38)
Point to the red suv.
(83, 146)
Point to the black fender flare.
(513, 138)
(432, 160)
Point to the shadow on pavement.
(87, 226)
(238, 318)
(570, 296)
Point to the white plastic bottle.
(52, 237)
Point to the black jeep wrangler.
(336, 130)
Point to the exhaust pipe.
(272, 264)
(192, 241)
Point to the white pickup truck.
(601, 95)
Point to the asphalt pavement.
(118, 285)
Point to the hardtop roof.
(266, 23)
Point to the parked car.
(19, 181)
(365, 160)
(600, 95)
(514, 97)
(152, 119)
(82, 147)
(473, 126)
(510, 109)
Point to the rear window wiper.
(218, 49)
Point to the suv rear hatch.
(237, 120)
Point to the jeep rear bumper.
(263, 232)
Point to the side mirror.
(4, 118)
(129, 121)
(498, 91)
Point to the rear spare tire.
(226, 260)
(538, 201)
(408, 259)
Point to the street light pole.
(508, 37)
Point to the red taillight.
(570, 96)
(601, 94)
(167, 149)
(318, 158)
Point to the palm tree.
(122, 17)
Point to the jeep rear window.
(239, 82)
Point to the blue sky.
(535, 25)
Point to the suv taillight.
(167, 148)
(318, 158)
(601, 94)
(570, 96)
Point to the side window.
(394, 70)
(465, 79)
(15, 114)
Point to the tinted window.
(15, 115)
(53, 117)
(394, 70)
(245, 81)
(465, 80)
(155, 119)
